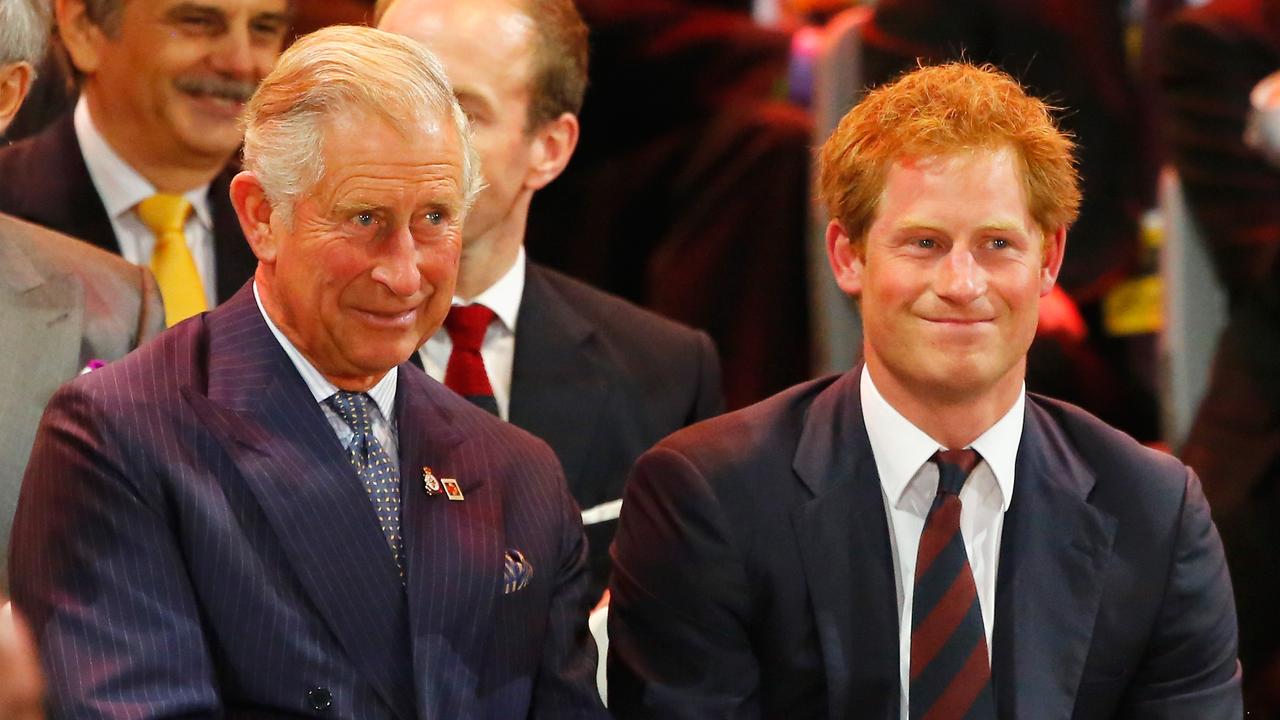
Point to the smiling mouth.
(391, 319)
(958, 321)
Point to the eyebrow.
(284, 18)
(910, 224)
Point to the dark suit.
(192, 540)
(754, 577)
(1214, 56)
(47, 183)
(63, 304)
(601, 381)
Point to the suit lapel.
(68, 200)
(1053, 548)
(844, 546)
(453, 549)
(558, 388)
(261, 411)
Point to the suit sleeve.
(98, 575)
(566, 685)
(710, 383)
(679, 646)
(1232, 192)
(1190, 670)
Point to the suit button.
(320, 698)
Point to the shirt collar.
(118, 184)
(900, 448)
(383, 393)
(503, 297)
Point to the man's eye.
(435, 217)
(926, 243)
(365, 219)
(999, 243)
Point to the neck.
(281, 319)
(956, 418)
(168, 169)
(487, 258)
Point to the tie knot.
(467, 324)
(954, 467)
(164, 213)
(353, 408)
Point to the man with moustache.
(268, 512)
(920, 537)
(140, 168)
(64, 306)
(599, 379)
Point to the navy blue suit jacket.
(753, 575)
(192, 541)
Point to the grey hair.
(24, 30)
(326, 75)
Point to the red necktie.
(465, 374)
(950, 669)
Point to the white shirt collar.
(901, 448)
(503, 297)
(119, 185)
(383, 393)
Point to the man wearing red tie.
(920, 537)
(600, 380)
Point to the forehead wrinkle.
(351, 188)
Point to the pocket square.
(516, 572)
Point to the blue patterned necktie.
(373, 465)
(950, 670)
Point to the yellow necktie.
(171, 261)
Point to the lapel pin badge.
(429, 482)
(451, 489)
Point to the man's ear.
(846, 259)
(82, 38)
(1055, 247)
(254, 211)
(553, 145)
(15, 81)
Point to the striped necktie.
(950, 667)
(171, 261)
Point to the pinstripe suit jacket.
(192, 541)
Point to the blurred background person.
(64, 306)
(688, 193)
(599, 379)
(142, 166)
(1214, 58)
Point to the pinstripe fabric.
(192, 539)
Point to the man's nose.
(397, 266)
(960, 279)
(234, 54)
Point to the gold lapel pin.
(429, 481)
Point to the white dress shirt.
(122, 188)
(499, 347)
(908, 483)
(383, 394)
